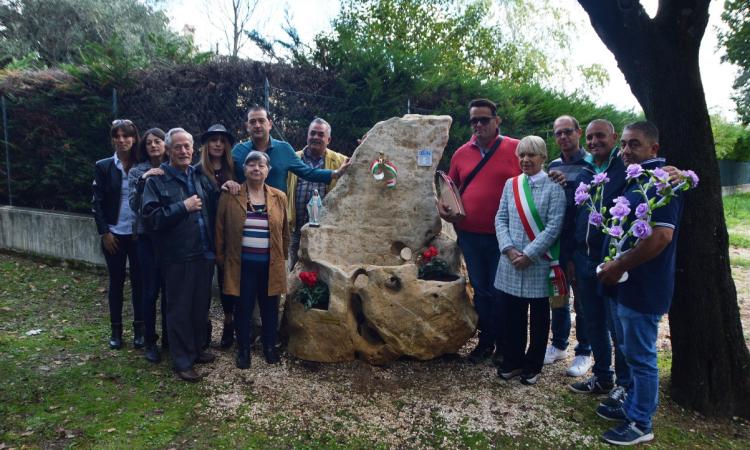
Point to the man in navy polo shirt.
(645, 296)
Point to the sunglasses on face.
(482, 120)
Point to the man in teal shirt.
(283, 158)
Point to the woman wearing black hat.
(217, 164)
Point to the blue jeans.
(482, 255)
(254, 283)
(596, 310)
(622, 370)
(561, 328)
(639, 340)
(153, 283)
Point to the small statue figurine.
(314, 208)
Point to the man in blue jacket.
(283, 158)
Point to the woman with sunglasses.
(217, 164)
(152, 153)
(114, 222)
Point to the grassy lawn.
(62, 387)
(737, 214)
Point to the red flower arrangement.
(310, 279)
(428, 254)
(431, 267)
(314, 293)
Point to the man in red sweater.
(480, 193)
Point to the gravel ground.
(401, 404)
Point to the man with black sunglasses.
(480, 169)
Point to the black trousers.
(153, 284)
(254, 284)
(515, 353)
(126, 251)
(188, 286)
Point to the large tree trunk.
(659, 58)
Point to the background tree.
(659, 58)
(232, 18)
(49, 33)
(737, 42)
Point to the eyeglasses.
(482, 120)
(119, 122)
(564, 132)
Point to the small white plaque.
(424, 157)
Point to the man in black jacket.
(179, 209)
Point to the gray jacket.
(136, 193)
(532, 282)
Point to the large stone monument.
(368, 250)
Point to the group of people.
(524, 240)
(175, 223)
(242, 206)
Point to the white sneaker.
(580, 365)
(554, 354)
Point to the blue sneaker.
(616, 414)
(627, 434)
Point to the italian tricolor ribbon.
(533, 225)
(381, 168)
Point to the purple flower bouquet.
(655, 189)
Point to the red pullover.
(482, 198)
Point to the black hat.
(217, 129)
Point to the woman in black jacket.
(151, 153)
(114, 222)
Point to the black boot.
(227, 335)
(138, 329)
(243, 359)
(272, 356)
(151, 353)
(209, 330)
(115, 340)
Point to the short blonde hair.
(532, 144)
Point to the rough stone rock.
(379, 309)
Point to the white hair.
(170, 135)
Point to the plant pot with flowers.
(433, 268)
(314, 292)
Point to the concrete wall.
(50, 233)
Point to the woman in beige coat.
(252, 240)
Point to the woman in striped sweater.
(252, 240)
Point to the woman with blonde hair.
(217, 164)
(528, 225)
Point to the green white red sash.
(533, 225)
(381, 168)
